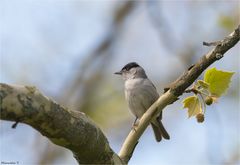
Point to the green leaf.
(218, 81)
(203, 84)
(193, 105)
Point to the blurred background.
(70, 50)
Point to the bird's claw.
(134, 126)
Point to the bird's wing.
(149, 94)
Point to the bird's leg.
(134, 124)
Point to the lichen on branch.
(64, 127)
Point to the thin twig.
(216, 43)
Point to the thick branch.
(176, 89)
(69, 129)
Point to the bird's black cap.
(130, 65)
(127, 67)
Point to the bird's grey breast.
(140, 94)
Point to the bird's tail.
(159, 131)
(164, 133)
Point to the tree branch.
(66, 128)
(175, 89)
(75, 131)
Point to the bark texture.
(66, 128)
(75, 131)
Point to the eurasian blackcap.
(140, 94)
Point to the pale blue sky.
(42, 41)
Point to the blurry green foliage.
(227, 22)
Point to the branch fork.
(75, 131)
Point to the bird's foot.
(134, 127)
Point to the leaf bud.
(200, 117)
(208, 100)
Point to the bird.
(140, 94)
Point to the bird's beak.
(120, 73)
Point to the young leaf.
(218, 81)
(193, 105)
(203, 84)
